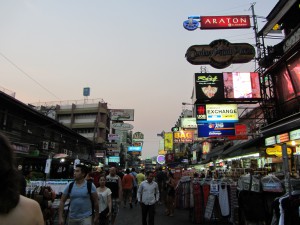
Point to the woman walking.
(171, 183)
(104, 195)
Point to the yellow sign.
(168, 141)
(277, 151)
(162, 152)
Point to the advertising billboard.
(217, 113)
(225, 22)
(122, 114)
(227, 86)
(220, 53)
(183, 136)
(122, 126)
(189, 123)
(216, 129)
(134, 148)
(168, 137)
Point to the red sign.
(224, 22)
(240, 129)
(169, 157)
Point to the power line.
(26, 74)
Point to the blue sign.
(216, 129)
(134, 148)
(191, 24)
(86, 91)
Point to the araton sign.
(225, 22)
(220, 54)
(122, 126)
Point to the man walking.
(113, 182)
(127, 185)
(148, 195)
(81, 198)
(161, 179)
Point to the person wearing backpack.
(83, 198)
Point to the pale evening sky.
(129, 52)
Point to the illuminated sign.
(277, 150)
(138, 136)
(227, 86)
(295, 134)
(191, 24)
(189, 122)
(183, 137)
(225, 22)
(220, 54)
(216, 129)
(206, 147)
(115, 159)
(201, 113)
(160, 159)
(282, 138)
(270, 141)
(169, 157)
(168, 141)
(222, 113)
(134, 148)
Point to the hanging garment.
(198, 203)
(224, 200)
(233, 203)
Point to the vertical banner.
(168, 141)
(48, 166)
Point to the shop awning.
(244, 148)
(282, 126)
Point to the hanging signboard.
(220, 54)
(189, 123)
(225, 22)
(122, 114)
(282, 138)
(168, 141)
(295, 135)
(183, 137)
(122, 126)
(270, 141)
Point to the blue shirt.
(80, 202)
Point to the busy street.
(161, 112)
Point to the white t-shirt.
(102, 196)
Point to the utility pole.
(255, 28)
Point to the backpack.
(89, 187)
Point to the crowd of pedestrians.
(88, 200)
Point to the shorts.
(127, 193)
(83, 221)
(115, 203)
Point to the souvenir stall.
(47, 194)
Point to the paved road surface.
(133, 216)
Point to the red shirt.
(127, 181)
